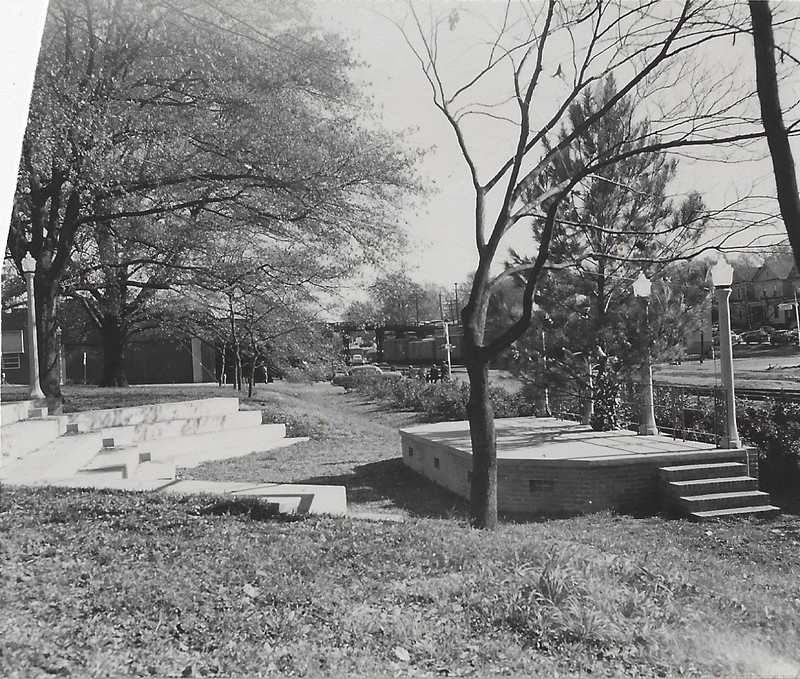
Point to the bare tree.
(543, 57)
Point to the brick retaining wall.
(626, 483)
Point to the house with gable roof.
(765, 295)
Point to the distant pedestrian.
(444, 373)
(434, 374)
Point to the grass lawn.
(104, 583)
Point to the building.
(765, 295)
(148, 360)
(15, 347)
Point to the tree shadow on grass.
(390, 484)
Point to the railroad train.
(422, 344)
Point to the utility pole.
(457, 313)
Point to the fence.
(686, 413)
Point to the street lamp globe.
(642, 286)
(722, 274)
(28, 264)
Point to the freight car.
(410, 349)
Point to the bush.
(773, 427)
(442, 401)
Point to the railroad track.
(792, 395)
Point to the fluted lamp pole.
(641, 288)
(722, 278)
(29, 271)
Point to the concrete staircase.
(141, 442)
(714, 490)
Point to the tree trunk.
(114, 339)
(772, 118)
(223, 365)
(46, 324)
(483, 490)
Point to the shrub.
(773, 427)
(443, 401)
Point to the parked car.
(783, 337)
(362, 372)
(754, 337)
(767, 329)
(735, 339)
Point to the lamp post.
(722, 278)
(641, 288)
(29, 271)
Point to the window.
(11, 362)
(436, 462)
(410, 451)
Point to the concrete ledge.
(14, 411)
(205, 424)
(295, 499)
(58, 459)
(157, 412)
(25, 436)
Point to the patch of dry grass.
(136, 584)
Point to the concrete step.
(291, 498)
(686, 472)
(23, 437)
(700, 503)
(118, 462)
(709, 486)
(58, 459)
(190, 451)
(14, 411)
(736, 512)
(197, 458)
(170, 429)
(162, 470)
(157, 412)
(128, 462)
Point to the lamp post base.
(648, 430)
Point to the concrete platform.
(551, 466)
(292, 498)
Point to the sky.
(442, 248)
(441, 245)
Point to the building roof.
(782, 267)
(745, 273)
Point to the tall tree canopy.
(394, 298)
(143, 110)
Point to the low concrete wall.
(627, 483)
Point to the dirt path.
(353, 443)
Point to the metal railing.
(686, 413)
